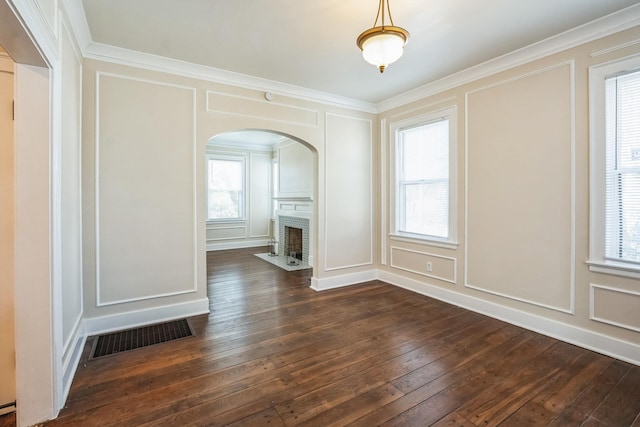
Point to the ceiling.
(256, 139)
(311, 44)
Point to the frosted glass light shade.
(383, 49)
(382, 46)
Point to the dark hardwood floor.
(273, 352)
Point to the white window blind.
(423, 179)
(622, 217)
(225, 188)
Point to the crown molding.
(74, 13)
(602, 27)
(106, 53)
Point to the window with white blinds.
(622, 217)
(423, 169)
(614, 186)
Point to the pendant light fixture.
(382, 44)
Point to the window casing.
(424, 175)
(226, 183)
(615, 168)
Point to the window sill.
(615, 268)
(447, 244)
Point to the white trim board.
(117, 55)
(623, 350)
(132, 319)
(619, 349)
(236, 245)
(602, 27)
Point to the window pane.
(622, 216)
(426, 152)
(427, 209)
(225, 174)
(225, 188)
(423, 180)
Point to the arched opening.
(272, 199)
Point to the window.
(622, 109)
(225, 184)
(615, 175)
(424, 191)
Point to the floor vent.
(120, 341)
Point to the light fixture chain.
(389, 13)
(380, 9)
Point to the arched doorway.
(280, 186)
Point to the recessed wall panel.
(348, 192)
(260, 203)
(617, 307)
(144, 189)
(70, 189)
(226, 104)
(519, 188)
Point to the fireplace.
(294, 237)
(293, 242)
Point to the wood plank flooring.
(273, 352)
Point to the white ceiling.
(311, 44)
(256, 139)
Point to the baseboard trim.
(132, 319)
(7, 409)
(590, 340)
(324, 284)
(236, 245)
(71, 360)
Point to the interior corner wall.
(523, 198)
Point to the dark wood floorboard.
(8, 420)
(273, 352)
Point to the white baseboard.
(8, 409)
(236, 245)
(343, 280)
(71, 359)
(623, 350)
(132, 319)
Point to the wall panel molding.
(427, 256)
(353, 152)
(629, 298)
(187, 95)
(563, 72)
(614, 48)
(243, 106)
(227, 233)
